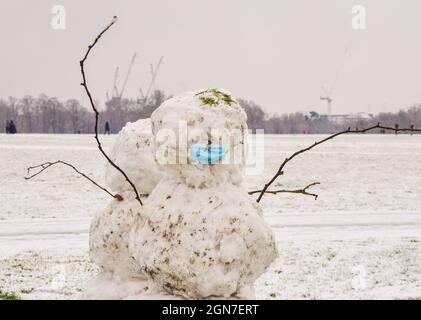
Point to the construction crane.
(329, 104)
(114, 89)
(328, 99)
(129, 70)
(154, 73)
(141, 96)
(328, 93)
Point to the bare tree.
(73, 107)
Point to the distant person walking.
(412, 128)
(12, 127)
(107, 128)
(396, 128)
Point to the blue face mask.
(206, 154)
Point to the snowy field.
(360, 240)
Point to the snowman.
(200, 235)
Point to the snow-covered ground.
(360, 239)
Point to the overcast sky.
(276, 52)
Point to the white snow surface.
(106, 286)
(361, 239)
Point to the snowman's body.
(201, 234)
(202, 242)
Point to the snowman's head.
(204, 129)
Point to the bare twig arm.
(46, 165)
(297, 153)
(85, 85)
(302, 191)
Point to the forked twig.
(46, 165)
(348, 131)
(85, 85)
(302, 191)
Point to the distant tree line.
(45, 114)
(313, 122)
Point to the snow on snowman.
(198, 234)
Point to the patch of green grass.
(208, 101)
(216, 97)
(8, 296)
